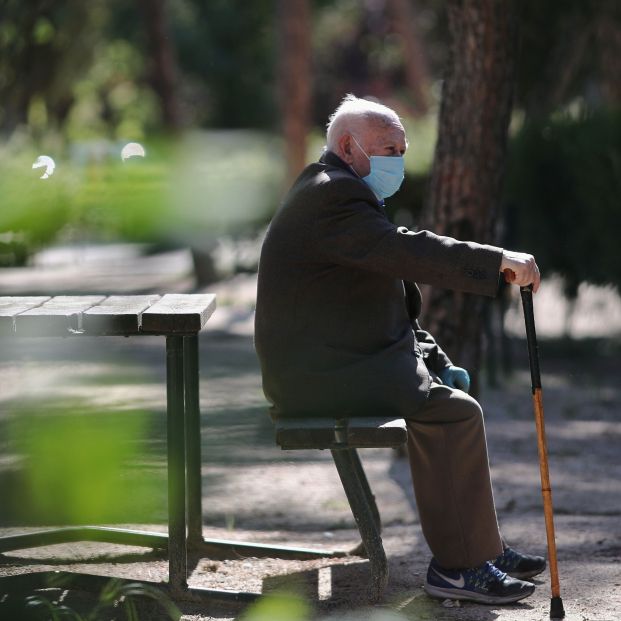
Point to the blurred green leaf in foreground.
(78, 465)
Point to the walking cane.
(556, 603)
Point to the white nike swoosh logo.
(460, 584)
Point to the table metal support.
(177, 553)
(193, 439)
(101, 534)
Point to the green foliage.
(562, 190)
(185, 192)
(37, 207)
(44, 46)
(111, 99)
(62, 69)
(123, 199)
(227, 53)
(91, 196)
(278, 606)
(115, 595)
(568, 50)
(288, 606)
(77, 466)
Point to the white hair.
(352, 112)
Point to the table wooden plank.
(59, 316)
(117, 314)
(11, 306)
(179, 313)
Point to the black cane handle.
(531, 336)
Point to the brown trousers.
(450, 471)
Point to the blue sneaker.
(484, 584)
(519, 565)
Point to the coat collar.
(332, 159)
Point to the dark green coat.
(334, 330)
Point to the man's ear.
(345, 144)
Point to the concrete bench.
(343, 436)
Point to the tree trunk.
(163, 65)
(414, 59)
(295, 91)
(467, 172)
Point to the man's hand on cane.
(520, 269)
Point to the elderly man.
(337, 333)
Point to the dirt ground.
(252, 491)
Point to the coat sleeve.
(433, 355)
(435, 358)
(356, 233)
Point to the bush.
(184, 192)
(562, 196)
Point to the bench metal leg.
(359, 494)
(364, 482)
(360, 550)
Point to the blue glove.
(455, 377)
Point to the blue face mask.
(387, 173)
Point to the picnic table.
(179, 318)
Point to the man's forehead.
(393, 132)
(377, 124)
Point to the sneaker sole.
(522, 575)
(441, 593)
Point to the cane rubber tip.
(556, 608)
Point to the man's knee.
(467, 404)
(448, 405)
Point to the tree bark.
(467, 172)
(295, 90)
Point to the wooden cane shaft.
(546, 490)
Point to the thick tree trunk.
(295, 90)
(470, 153)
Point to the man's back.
(332, 333)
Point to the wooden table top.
(95, 315)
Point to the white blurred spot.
(132, 149)
(48, 162)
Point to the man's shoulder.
(332, 182)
